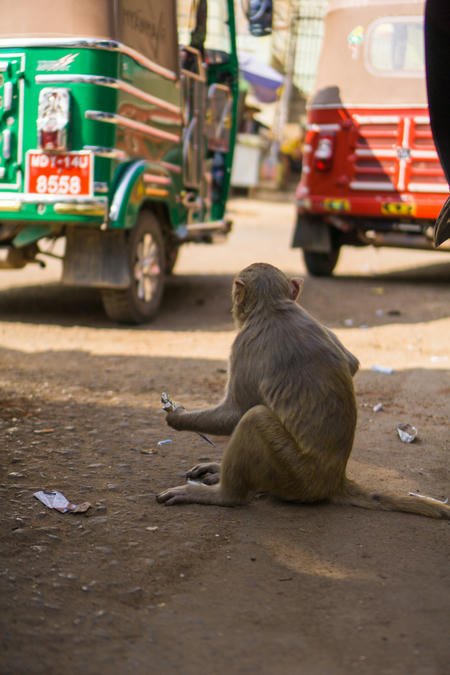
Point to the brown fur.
(289, 407)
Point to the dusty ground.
(134, 587)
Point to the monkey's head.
(261, 287)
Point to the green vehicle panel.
(118, 136)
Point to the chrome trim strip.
(21, 119)
(97, 209)
(401, 185)
(428, 187)
(406, 131)
(377, 119)
(174, 168)
(120, 120)
(382, 154)
(112, 82)
(63, 78)
(110, 153)
(401, 175)
(6, 143)
(31, 198)
(7, 95)
(424, 154)
(90, 43)
(376, 153)
(158, 180)
(372, 185)
(10, 205)
(324, 127)
(56, 42)
(358, 106)
(422, 119)
(21, 87)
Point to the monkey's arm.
(352, 360)
(220, 420)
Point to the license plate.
(60, 174)
(398, 209)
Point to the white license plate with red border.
(63, 174)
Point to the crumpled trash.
(169, 404)
(56, 500)
(407, 433)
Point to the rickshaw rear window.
(396, 47)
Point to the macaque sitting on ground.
(289, 408)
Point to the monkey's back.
(295, 368)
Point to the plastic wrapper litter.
(56, 500)
(407, 433)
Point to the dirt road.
(274, 589)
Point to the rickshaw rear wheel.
(321, 264)
(147, 263)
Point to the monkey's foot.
(208, 473)
(192, 494)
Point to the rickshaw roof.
(357, 39)
(146, 26)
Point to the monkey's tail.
(353, 494)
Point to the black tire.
(147, 260)
(321, 264)
(172, 251)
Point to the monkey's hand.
(174, 418)
(208, 473)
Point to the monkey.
(289, 409)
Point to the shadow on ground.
(202, 302)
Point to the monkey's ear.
(239, 291)
(296, 287)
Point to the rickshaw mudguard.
(140, 183)
(312, 233)
(99, 258)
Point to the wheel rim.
(147, 269)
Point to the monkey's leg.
(255, 460)
(208, 472)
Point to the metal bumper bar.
(88, 206)
(208, 232)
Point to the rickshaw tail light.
(53, 118)
(323, 157)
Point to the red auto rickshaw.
(371, 173)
